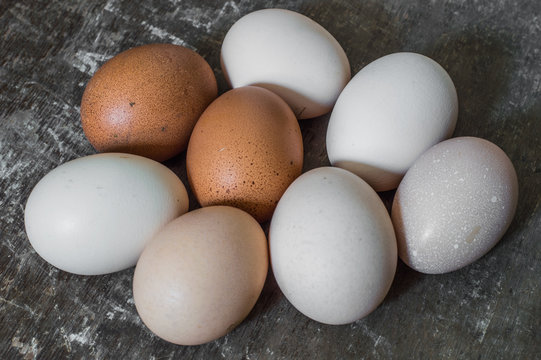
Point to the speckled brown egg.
(146, 100)
(244, 151)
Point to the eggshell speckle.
(146, 100)
(201, 275)
(245, 151)
(289, 54)
(332, 245)
(94, 215)
(454, 204)
(393, 110)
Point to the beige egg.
(201, 275)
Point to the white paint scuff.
(482, 325)
(164, 35)
(89, 62)
(31, 349)
(201, 19)
(158, 32)
(82, 337)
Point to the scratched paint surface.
(491, 309)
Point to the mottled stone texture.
(490, 309)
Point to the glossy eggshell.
(392, 111)
(244, 151)
(146, 100)
(201, 275)
(94, 215)
(454, 204)
(332, 245)
(289, 54)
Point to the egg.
(244, 151)
(392, 111)
(289, 54)
(332, 246)
(201, 275)
(454, 204)
(94, 215)
(146, 100)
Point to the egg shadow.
(177, 164)
(404, 279)
(313, 141)
(270, 295)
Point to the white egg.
(454, 204)
(393, 110)
(289, 54)
(95, 214)
(332, 245)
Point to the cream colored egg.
(201, 276)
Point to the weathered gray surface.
(489, 310)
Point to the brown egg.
(146, 100)
(244, 151)
(201, 275)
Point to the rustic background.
(489, 310)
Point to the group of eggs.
(333, 246)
